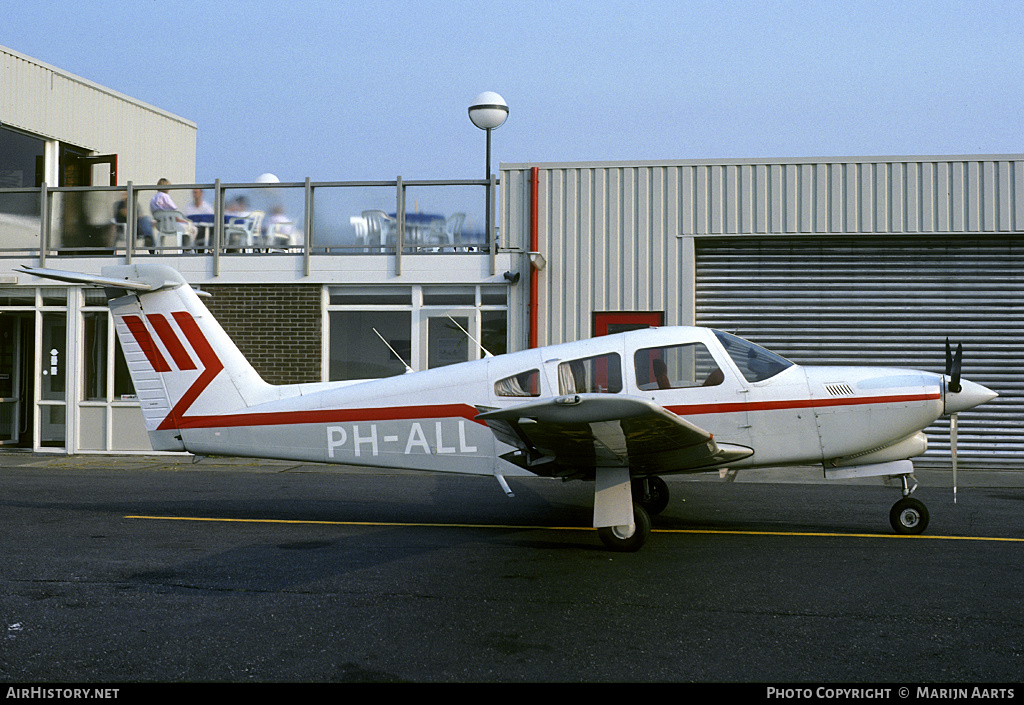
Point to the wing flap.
(584, 431)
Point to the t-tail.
(184, 366)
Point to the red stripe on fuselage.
(465, 411)
(321, 416)
(731, 407)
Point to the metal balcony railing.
(395, 218)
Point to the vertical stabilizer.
(184, 366)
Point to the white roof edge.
(92, 84)
(767, 161)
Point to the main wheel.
(627, 538)
(655, 499)
(908, 516)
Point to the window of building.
(449, 295)
(21, 166)
(108, 408)
(102, 358)
(94, 340)
(21, 161)
(424, 326)
(357, 352)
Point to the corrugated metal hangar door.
(885, 301)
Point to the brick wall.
(276, 326)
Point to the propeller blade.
(952, 450)
(953, 364)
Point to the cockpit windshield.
(756, 364)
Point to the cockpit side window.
(755, 363)
(676, 367)
(524, 384)
(601, 373)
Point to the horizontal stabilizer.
(96, 280)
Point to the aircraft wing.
(574, 434)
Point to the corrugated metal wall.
(52, 103)
(609, 235)
(610, 232)
(921, 196)
(893, 302)
(609, 242)
(860, 259)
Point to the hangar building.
(872, 260)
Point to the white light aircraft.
(619, 410)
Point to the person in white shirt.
(198, 206)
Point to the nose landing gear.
(908, 516)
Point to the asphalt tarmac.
(152, 569)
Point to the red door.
(608, 322)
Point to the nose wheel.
(908, 516)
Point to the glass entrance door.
(53, 365)
(12, 401)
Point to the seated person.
(162, 202)
(143, 225)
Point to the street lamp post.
(488, 112)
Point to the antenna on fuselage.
(394, 352)
(487, 353)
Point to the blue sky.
(346, 90)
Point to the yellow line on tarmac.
(573, 528)
(357, 523)
(836, 535)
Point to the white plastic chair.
(280, 234)
(243, 231)
(453, 228)
(173, 225)
(380, 228)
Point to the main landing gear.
(651, 493)
(626, 539)
(650, 497)
(909, 515)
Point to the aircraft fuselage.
(427, 420)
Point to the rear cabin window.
(524, 384)
(676, 367)
(598, 374)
